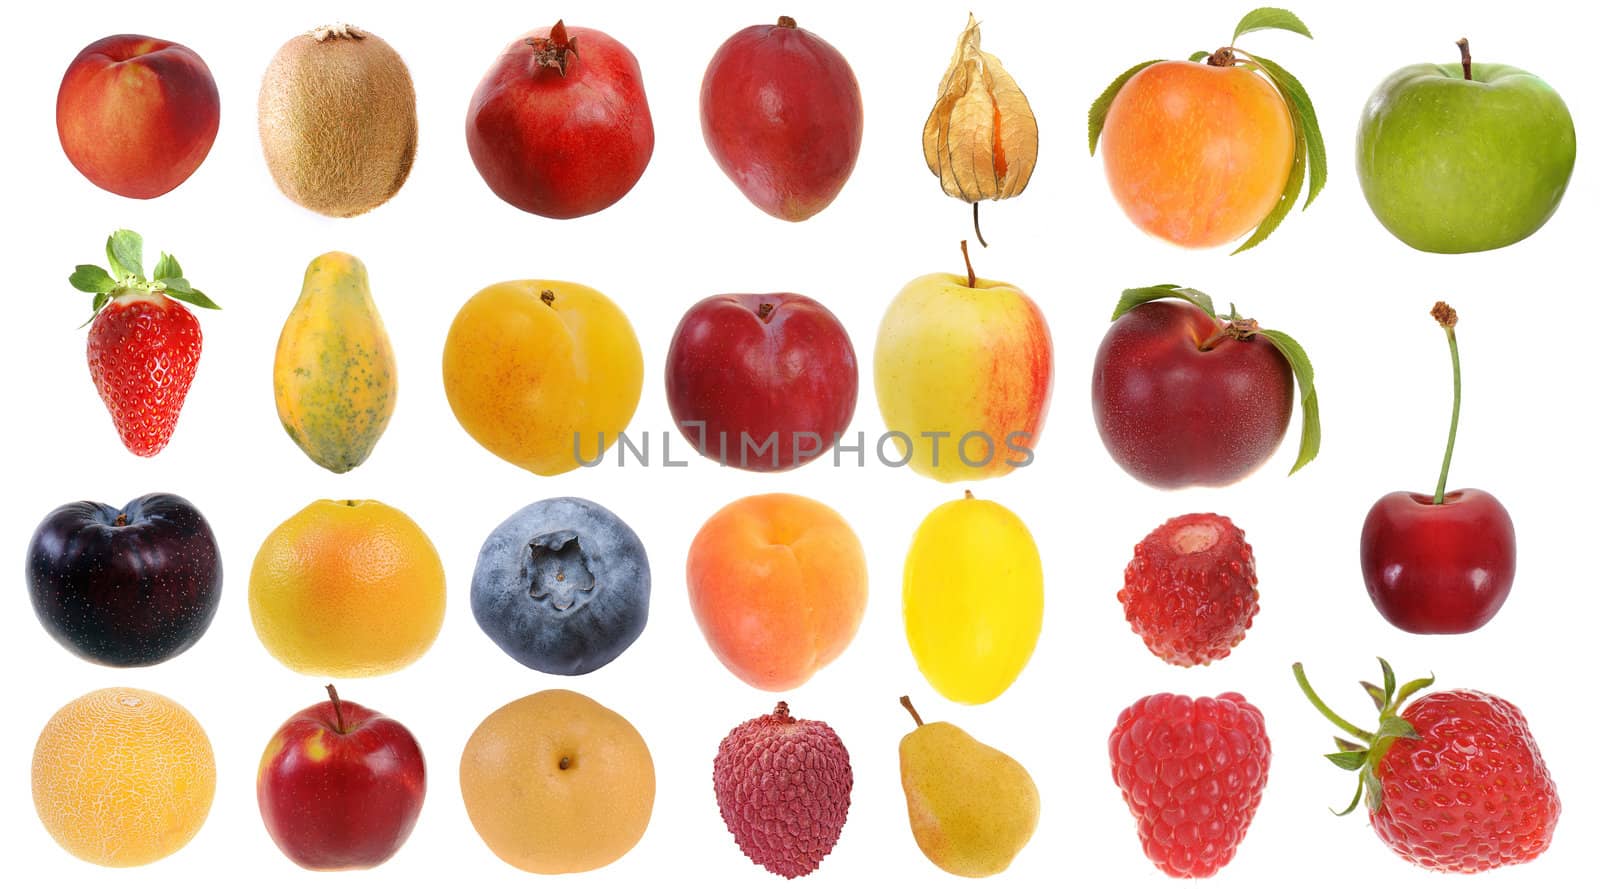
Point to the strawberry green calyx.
(125, 256)
(1363, 755)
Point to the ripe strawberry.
(143, 346)
(1453, 784)
(1190, 591)
(1191, 772)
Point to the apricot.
(1197, 154)
(778, 584)
(544, 374)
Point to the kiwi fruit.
(338, 120)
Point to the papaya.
(334, 376)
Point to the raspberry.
(1190, 591)
(1191, 772)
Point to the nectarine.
(137, 115)
(778, 584)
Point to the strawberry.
(143, 344)
(1191, 772)
(1190, 591)
(1455, 783)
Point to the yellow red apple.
(963, 368)
(136, 115)
(340, 786)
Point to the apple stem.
(785, 22)
(905, 701)
(972, 279)
(1446, 317)
(338, 709)
(1466, 58)
(975, 229)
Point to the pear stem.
(1446, 317)
(905, 701)
(338, 709)
(972, 279)
(1325, 710)
(1466, 59)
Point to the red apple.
(781, 112)
(137, 115)
(757, 366)
(340, 786)
(1439, 563)
(559, 125)
(1183, 396)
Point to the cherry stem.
(905, 701)
(975, 229)
(1325, 710)
(1466, 58)
(1446, 317)
(338, 709)
(972, 279)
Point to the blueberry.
(563, 586)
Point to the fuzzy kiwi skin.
(338, 120)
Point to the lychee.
(783, 785)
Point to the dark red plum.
(125, 587)
(562, 586)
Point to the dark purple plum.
(125, 587)
(563, 586)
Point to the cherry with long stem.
(1446, 317)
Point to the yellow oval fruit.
(347, 588)
(974, 599)
(123, 777)
(334, 376)
(543, 373)
(556, 784)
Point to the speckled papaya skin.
(334, 377)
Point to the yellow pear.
(972, 807)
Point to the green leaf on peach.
(1102, 105)
(1270, 18)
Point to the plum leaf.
(1270, 18)
(1137, 296)
(1305, 116)
(1102, 104)
(1310, 414)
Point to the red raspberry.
(1190, 591)
(1191, 772)
(1455, 783)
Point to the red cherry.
(1440, 563)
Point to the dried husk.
(981, 139)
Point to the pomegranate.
(559, 125)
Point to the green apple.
(1464, 157)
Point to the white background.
(1355, 297)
